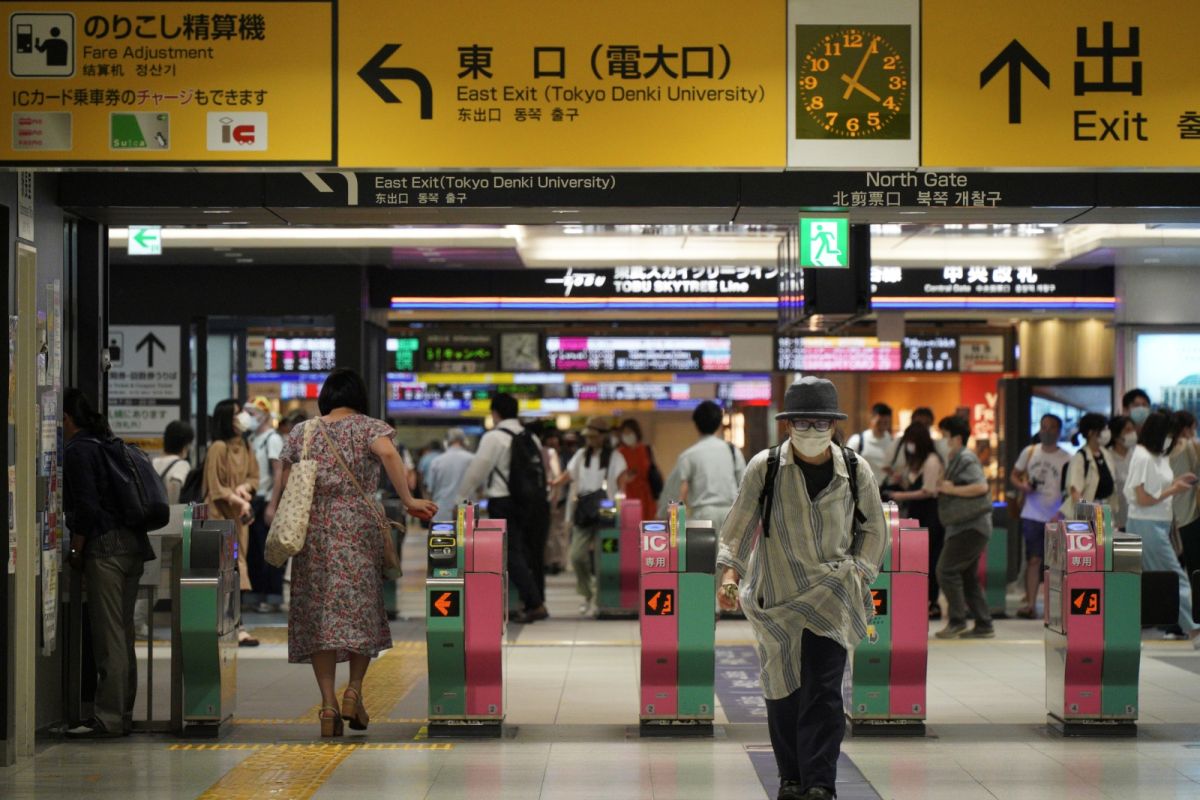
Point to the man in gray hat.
(804, 580)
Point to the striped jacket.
(802, 576)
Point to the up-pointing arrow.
(1014, 56)
(150, 341)
(374, 73)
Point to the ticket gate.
(993, 565)
(617, 547)
(210, 609)
(466, 600)
(1093, 601)
(678, 627)
(885, 677)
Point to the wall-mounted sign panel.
(676, 83)
(175, 83)
(1024, 83)
(631, 354)
(854, 70)
(836, 354)
(989, 286)
(458, 352)
(297, 355)
(929, 354)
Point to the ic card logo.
(235, 131)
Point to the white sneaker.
(584, 607)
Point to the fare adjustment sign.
(1025, 83)
(175, 82)
(539, 83)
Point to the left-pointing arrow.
(444, 604)
(374, 73)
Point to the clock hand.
(852, 83)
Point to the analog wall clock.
(853, 82)
(519, 352)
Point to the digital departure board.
(633, 354)
(403, 352)
(836, 354)
(930, 354)
(458, 352)
(299, 355)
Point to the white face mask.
(910, 448)
(247, 421)
(1105, 437)
(1169, 444)
(1129, 440)
(812, 443)
(628, 439)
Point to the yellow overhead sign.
(542, 83)
(174, 82)
(1066, 83)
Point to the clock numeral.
(852, 39)
(873, 119)
(832, 117)
(819, 64)
(874, 48)
(817, 103)
(895, 82)
(891, 103)
(809, 82)
(833, 49)
(890, 62)
(852, 124)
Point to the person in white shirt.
(173, 466)
(710, 471)
(1149, 491)
(267, 445)
(447, 471)
(1123, 442)
(595, 468)
(490, 470)
(1040, 473)
(876, 444)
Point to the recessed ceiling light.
(245, 261)
(217, 211)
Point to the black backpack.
(526, 475)
(192, 491)
(766, 500)
(137, 488)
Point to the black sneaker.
(539, 613)
(979, 633)
(935, 611)
(789, 790)
(953, 630)
(91, 729)
(818, 793)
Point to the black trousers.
(536, 529)
(807, 726)
(265, 579)
(518, 561)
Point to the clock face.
(853, 82)
(519, 351)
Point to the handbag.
(957, 510)
(290, 526)
(391, 557)
(587, 508)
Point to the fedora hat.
(811, 397)
(598, 424)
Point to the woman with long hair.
(337, 609)
(1090, 474)
(919, 480)
(230, 481)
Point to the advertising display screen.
(632, 354)
(836, 354)
(1168, 368)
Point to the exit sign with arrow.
(144, 240)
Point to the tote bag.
(290, 526)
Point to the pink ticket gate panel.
(617, 548)
(1093, 596)
(886, 675)
(466, 588)
(678, 626)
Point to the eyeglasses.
(819, 425)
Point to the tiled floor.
(572, 732)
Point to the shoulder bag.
(290, 526)
(391, 556)
(957, 510)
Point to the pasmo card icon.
(236, 131)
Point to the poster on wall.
(981, 353)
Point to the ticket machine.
(1093, 601)
(678, 626)
(617, 548)
(209, 612)
(466, 598)
(885, 684)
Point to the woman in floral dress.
(337, 611)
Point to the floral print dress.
(337, 579)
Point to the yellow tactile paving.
(308, 721)
(264, 746)
(291, 771)
(390, 678)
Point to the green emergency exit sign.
(824, 242)
(145, 240)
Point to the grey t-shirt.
(964, 470)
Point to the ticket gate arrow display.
(447, 604)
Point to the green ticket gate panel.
(210, 610)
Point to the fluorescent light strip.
(1018, 304)
(580, 303)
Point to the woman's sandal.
(353, 709)
(331, 722)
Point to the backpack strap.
(766, 500)
(859, 516)
(496, 469)
(862, 442)
(163, 475)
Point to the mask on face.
(628, 439)
(1169, 444)
(1139, 415)
(247, 421)
(1105, 437)
(910, 448)
(1129, 440)
(812, 443)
